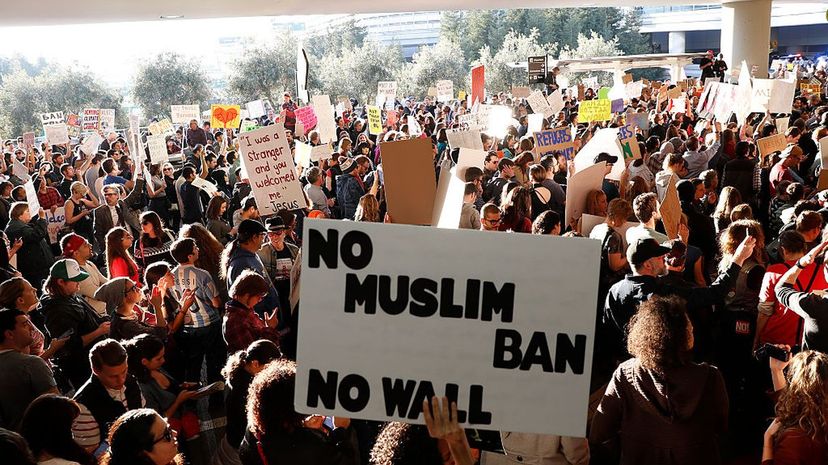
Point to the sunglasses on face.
(492, 221)
(167, 436)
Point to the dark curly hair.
(130, 438)
(405, 444)
(660, 334)
(270, 399)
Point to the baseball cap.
(68, 270)
(250, 227)
(72, 244)
(604, 156)
(645, 249)
(275, 223)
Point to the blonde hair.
(368, 209)
(803, 403)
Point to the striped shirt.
(201, 283)
(85, 428)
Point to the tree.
(593, 46)
(23, 98)
(169, 79)
(444, 60)
(483, 27)
(501, 74)
(265, 71)
(452, 26)
(335, 39)
(355, 71)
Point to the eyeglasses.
(492, 221)
(167, 436)
(168, 169)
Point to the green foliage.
(335, 40)
(442, 61)
(169, 79)
(23, 97)
(355, 72)
(593, 46)
(265, 71)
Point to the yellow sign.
(808, 89)
(594, 110)
(462, 95)
(374, 120)
(225, 116)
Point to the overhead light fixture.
(172, 16)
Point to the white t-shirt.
(57, 461)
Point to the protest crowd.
(151, 296)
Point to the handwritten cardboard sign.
(770, 144)
(269, 164)
(307, 117)
(90, 119)
(594, 110)
(183, 114)
(374, 120)
(225, 116)
(410, 181)
(55, 117)
(555, 140)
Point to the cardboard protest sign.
(325, 123)
(773, 95)
(469, 138)
(555, 100)
(448, 202)
(57, 134)
(539, 104)
(20, 170)
(183, 114)
(670, 209)
(520, 92)
(807, 88)
(782, 124)
(48, 119)
(594, 110)
(627, 78)
(320, 152)
(91, 143)
(247, 126)
(73, 122)
(534, 122)
(256, 108)
(301, 154)
(269, 163)
(307, 116)
(208, 187)
(157, 146)
(410, 183)
(106, 119)
(54, 221)
(363, 356)
(823, 152)
(604, 140)
(629, 143)
(770, 144)
(31, 198)
(445, 90)
(578, 186)
(90, 119)
(638, 120)
(386, 90)
(822, 182)
(674, 93)
(374, 120)
(28, 139)
(431, 92)
(225, 116)
(163, 127)
(555, 140)
(478, 78)
(678, 105)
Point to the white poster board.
(462, 328)
(269, 164)
(54, 117)
(183, 114)
(256, 108)
(55, 221)
(325, 123)
(57, 134)
(578, 186)
(91, 143)
(445, 91)
(539, 104)
(158, 149)
(206, 186)
(469, 138)
(604, 140)
(19, 170)
(386, 90)
(31, 198)
(107, 119)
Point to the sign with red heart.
(225, 116)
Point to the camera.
(769, 350)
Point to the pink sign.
(306, 116)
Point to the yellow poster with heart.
(225, 116)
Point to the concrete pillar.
(746, 34)
(676, 41)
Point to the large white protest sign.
(106, 121)
(20, 170)
(534, 122)
(555, 100)
(55, 117)
(269, 164)
(157, 146)
(183, 114)
(445, 91)
(469, 138)
(90, 120)
(604, 140)
(578, 186)
(91, 143)
(539, 104)
(325, 123)
(31, 198)
(773, 95)
(208, 187)
(386, 90)
(256, 108)
(320, 152)
(57, 134)
(163, 127)
(388, 334)
(301, 154)
(54, 221)
(135, 123)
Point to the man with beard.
(647, 260)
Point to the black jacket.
(301, 447)
(102, 406)
(64, 313)
(738, 173)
